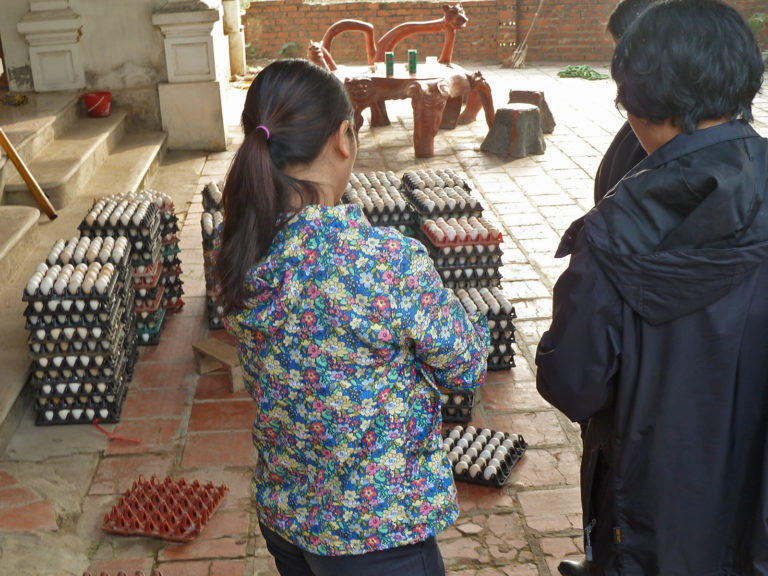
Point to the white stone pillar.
(236, 35)
(191, 102)
(53, 31)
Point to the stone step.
(130, 165)
(34, 125)
(19, 235)
(67, 163)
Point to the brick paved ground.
(56, 483)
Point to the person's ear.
(344, 139)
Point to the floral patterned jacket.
(347, 331)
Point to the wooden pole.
(32, 184)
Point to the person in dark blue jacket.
(658, 342)
(625, 150)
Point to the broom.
(517, 59)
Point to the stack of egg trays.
(80, 351)
(471, 454)
(464, 264)
(131, 335)
(381, 198)
(500, 314)
(456, 406)
(169, 250)
(210, 220)
(146, 244)
(149, 302)
(144, 236)
(436, 193)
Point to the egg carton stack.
(482, 457)
(137, 217)
(500, 313)
(170, 277)
(380, 196)
(82, 333)
(211, 219)
(435, 193)
(466, 250)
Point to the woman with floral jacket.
(344, 332)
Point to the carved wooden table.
(436, 92)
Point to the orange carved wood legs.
(428, 100)
(479, 97)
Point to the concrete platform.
(57, 483)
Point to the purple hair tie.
(266, 130)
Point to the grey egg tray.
(104, 407)
(209, 203)
(483, 457)
(148, 227)
(148, 321)
(488, 258)
(83, 363)
(487, 279)
(82, 302)
(69, 327)
(215, 319)
(457, 406)
(150, 336)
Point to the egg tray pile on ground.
(137, 216)
(491, 302)
(482, 456)
(381, 197)
(466, 250)
(210, 220)
(82, 328)
(170, 277)
(167, 509)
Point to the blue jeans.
(420, 559)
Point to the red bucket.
(98, 104)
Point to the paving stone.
(201, 549)
(205, 449)
(42, 553)
(550, 467)
(28, 517)
(155, 403)
(115, 475)
(552, 510)
(222, 415)
(162, 374)
(155, 435)
(127, 565)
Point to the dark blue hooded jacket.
(659, 347)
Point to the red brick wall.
(567, 31)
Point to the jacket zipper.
(588, 540)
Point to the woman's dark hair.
(624, 14)
(291, 109)
(688, 61)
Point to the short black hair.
(688, 61)
(624, 13)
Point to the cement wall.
(122, 52)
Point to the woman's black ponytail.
(291, 110)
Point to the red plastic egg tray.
(167, 509)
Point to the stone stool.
(537, 98)
(516, 132)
